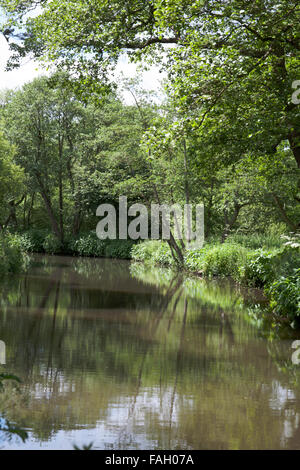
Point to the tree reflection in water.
(130, 357)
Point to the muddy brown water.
(129, 357)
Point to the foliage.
(52, 245)
(264, 267)
(271, 270)
(33, 240)
(154, 252)
(259, 268)
(256, 241)
(12, 254)
(226, 134)
(224, 260)
(118, 249)
(74, 156)
(6, 426)
(87, 245)
(285, 296)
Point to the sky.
(29, 70)
(18, 77)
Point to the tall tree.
(11, 182)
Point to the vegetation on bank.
(275, 266)
(269, 262)
(85, 244)
(13, 257)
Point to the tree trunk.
(12, 212)
(187, 191)
(283, 213)
(54, 224)
(60, 184)
(175, 250)
(49, 209)
(30, 210)
(229, 223)
(77, 221)
(294, 140)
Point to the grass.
(256, 241)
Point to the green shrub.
(213, 260)
(144, 251)
(52, 245)
(284, 296)
(163, 255)
(259, 268)
(154, 252)
(224, 260)
(87, 245)
(118, 248)
(90, 245)
(257, 241)
(194, 259)
(220, 260)
(12, 256)
(33, 240)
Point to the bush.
(219, 260)
(154, 252)
(33, 240)
(118, 248)
(257, 240)
(52, 245)
(278, 272)
(259, 268)
(144, 251)
(284, 296)
(274, 270)
(194, 259)
(87, 245)
(90, 245)
(224, 260)
(12, 256)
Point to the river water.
(129, 357)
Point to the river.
(124, 356)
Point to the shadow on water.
(127, 356)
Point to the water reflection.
(127, 357)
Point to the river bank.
(268, 263)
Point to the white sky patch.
(151, 82)
(30, 69)
(16, 78)
(151, 78)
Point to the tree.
(11, 182)
(232, 72)
(40, 121)
(75, 155)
